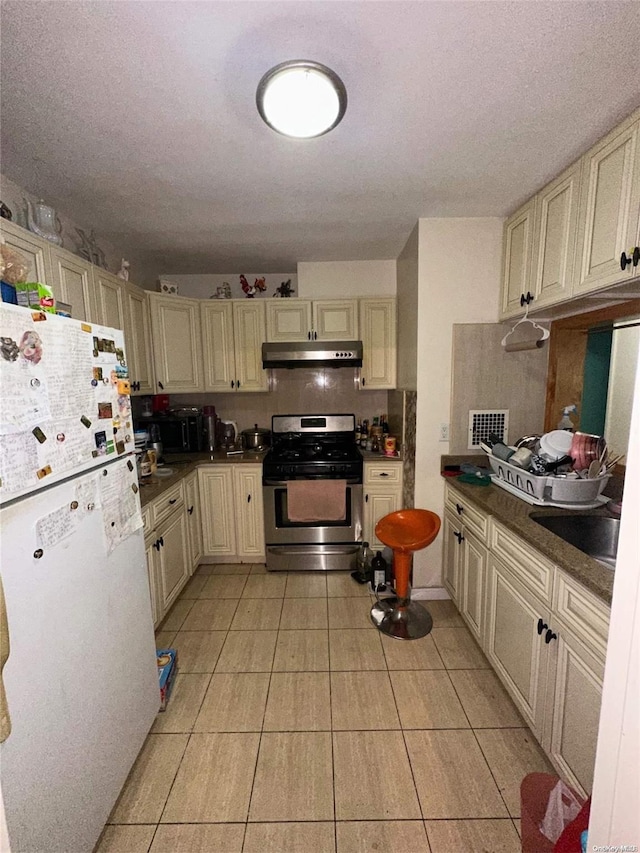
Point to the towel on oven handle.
(317, 500)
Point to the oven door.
(280, 530)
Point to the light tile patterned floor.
(295, 725)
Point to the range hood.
(312, 354)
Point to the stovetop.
(313, 446)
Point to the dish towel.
(317, 500)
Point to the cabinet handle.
(248, 499)
(233, 384)
(366, 499)
(308, 336)
(190, 510)
(156, 544)
(160, 385)
(550, 635)
(459, 509)
(315, 336)
(458, 536)
(363, 381)
(541, 626)
(172, 501)
(383, 474)
(627, 260)
(162, 541)
(526, 300)
(237, 383)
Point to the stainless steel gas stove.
(312, 486)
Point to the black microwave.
(178, 434)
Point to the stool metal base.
(401, 618)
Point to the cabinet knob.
(233, 384)
(190, 510)
(550, 635)
(237, 383)
(459, 509)
(308, 336)
(366, 499)
(458, 536)
(526, 300)
(315, 336)
(160, 385)
(363, 381)
(248, 499)
(156, 544)
(162, 541)
(173, 500)
(541, 626)
(383, 474)
(632, 258)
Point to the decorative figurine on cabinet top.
(284, 290)
(260, 285)
(123, 272)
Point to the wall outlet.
(444, 432)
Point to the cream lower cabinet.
(232, 336)
(232, 512)
(378, 332)
(167, 548)
(382, 494)
(177, 343)
(194, 519)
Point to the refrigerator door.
(65, 399)
(81, 679)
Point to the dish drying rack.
(550, 490)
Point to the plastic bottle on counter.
(566, 422)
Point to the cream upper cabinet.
(137, 335)
(33, 249)
(289, 319)
(609, 222)
(307, 320)
(108, 290)
(232, 335)
(517, 253)
(555, 228)
(335, 320)
(71, 278)
(378, 333)
(176, 343)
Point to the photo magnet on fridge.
(100, 439)
(105, 410)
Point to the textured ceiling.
(139, 118)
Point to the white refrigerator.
(80, 680)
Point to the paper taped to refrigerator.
(120, 506)
(56, 526)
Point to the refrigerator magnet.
(43, 472)
(105, 411)
(100, 439)
(130, 465)
(124, 387)
(39, 435)
(134, 488)
(85, 327)
(97, 373)
(120, 447)
(85, 421)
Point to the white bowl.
(556, 443)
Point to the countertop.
(515, 514)
(184, 463)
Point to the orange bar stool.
(404, 531)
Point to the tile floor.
(294, 725)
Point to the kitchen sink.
(595, 535)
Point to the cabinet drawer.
(530, 567)
(168, 503)
(582, 612)
(383, 472)
(469, 515)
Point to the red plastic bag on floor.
(563, 806)
(534, 798)
(569, 841)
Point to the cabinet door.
(288, 320)
(217, 344)
(249, 515)
(514, 646)
(555, 237)
(152, 572)
(194, 519)
(33, 249)
(378, 332)
(108, 290)
(218, 523)
(451, 555)
(577, 698)
(172, 559)
(177, 348)
(249, 335)
(72, 282)
(335, 320)
(609, 219)
(474, 583)
(137, 335)
(516, 259)
(377, 504)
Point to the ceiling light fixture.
(301, 98)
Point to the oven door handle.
(280, 483)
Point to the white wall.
(343, 279)
(458, 282)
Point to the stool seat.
(404, 531)
(408, 529)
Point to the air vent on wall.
(483, 423)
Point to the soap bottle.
(566, 422)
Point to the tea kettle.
(44, 222)
(228, 433)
